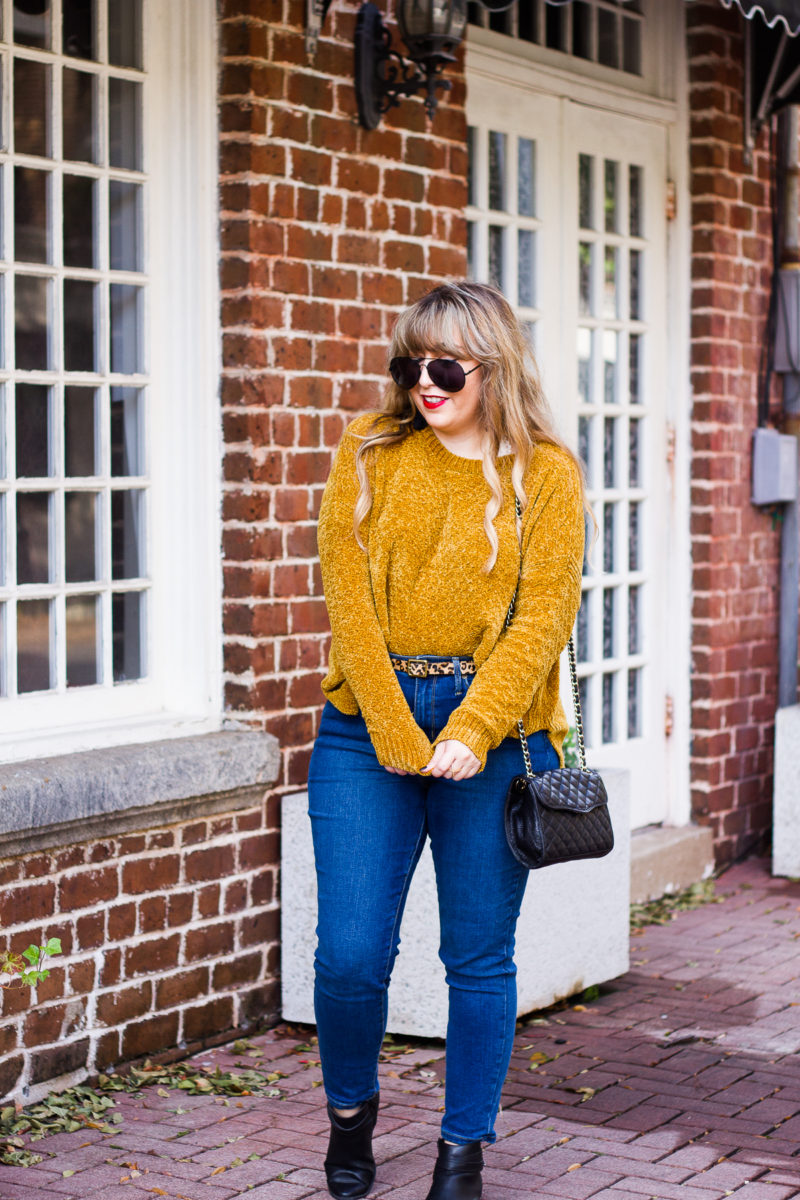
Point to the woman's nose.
(424, 377)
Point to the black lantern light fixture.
(431, 30)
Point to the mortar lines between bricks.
(680, 1082)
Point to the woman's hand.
(453, 760)
(396, 771)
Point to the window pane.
(610, 307)
(609, 452)
(31, 334)
(555, 24)
(33, 537)
(585, 190)
(635, 200)
(635, 285)
(472, 151)
(633, 537)
(126, 326)
(125, 225)
(127, 534)
(80, 454)
(125, 33)
(608, 708)
(32, 23)
(496, 258)
(80, 540)
(82, 641)
(634, 352)
(32, 241)
(582, 648)
(608, 622)
(33, 430)
(124, 124)
(610, 343)
(80, 141)
(3, 456)
(583, 692)
(526, 175)
(631, 46)
(497, 171)
(634, 636)
(79, 221)
(581, 29)
(127, 613)
(585, 366)
(79, 325)
(607, 51)
(609, 516)
(611, 173)
(526, 265)
(585, 254)
(31, 107)
(78, 28)
(634, 707)
(33, 646)
(585, 445)
(127, 457)
(633, 453)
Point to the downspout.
(789, 320)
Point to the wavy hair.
(470, 321)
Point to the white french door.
(567, 215)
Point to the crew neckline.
(440, 451)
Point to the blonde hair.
(469, 320)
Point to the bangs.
(442, 331)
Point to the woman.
(422, 550)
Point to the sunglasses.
(444, 373)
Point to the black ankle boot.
(350, 1165)
(457, 1174)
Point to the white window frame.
(182, 690)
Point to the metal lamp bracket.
(382, 76)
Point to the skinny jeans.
(369, 828)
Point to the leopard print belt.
(421, 668)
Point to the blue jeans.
(369, 827)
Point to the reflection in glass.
(127, 534)
(607, 50)
(633, 453)
(610, 344)
(125, 33)
(609, 451)
(585, 252)
(611, 172)
(496, 257)
(610, 282)
(127, 614)
(609, 521)
(634, 639)
(31, 215)
(80, 455)
(584, 365)
(608, 708)
(80, 519)
(526, 176)
(631, 46)
(634, 354)
(634, 724)
(126, 324)
(526, 264)
(635, 200)
(585, 446)
(633, 536)
(608, 622)
(33, 430)
(636, 268)
(31, 107)
(582, 647)
(31, 339)
(77, 19)
(32, 23)
(82, 641)
(126, 432)
(80, 142)
(585, 189)
(125, 225)
(497, 171)
(581, 29)
(33, 646)
(472, 163)
(125, 124)
(79, 220)
(79, 325)
(33, 537)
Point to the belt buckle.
(418, 667)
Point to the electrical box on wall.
(774, 467)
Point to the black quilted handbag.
(557, 816)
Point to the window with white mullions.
(503, 221)
(607, 32)
(74, 483)
(612, 416)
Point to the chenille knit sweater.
(421, 589)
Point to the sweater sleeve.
(547, 604)
(358, 643)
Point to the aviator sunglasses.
(444, 373)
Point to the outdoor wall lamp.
(431, 30)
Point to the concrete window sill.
(74, 797)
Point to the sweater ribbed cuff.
(463, 727)
(405, 749)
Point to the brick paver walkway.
(681, 1082)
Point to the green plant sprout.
(13, 968)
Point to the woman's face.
(452, 413)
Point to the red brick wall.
(169, 937)
(327, 230)
(734, 548)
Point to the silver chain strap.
(573, 672)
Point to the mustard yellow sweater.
(421, 589)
